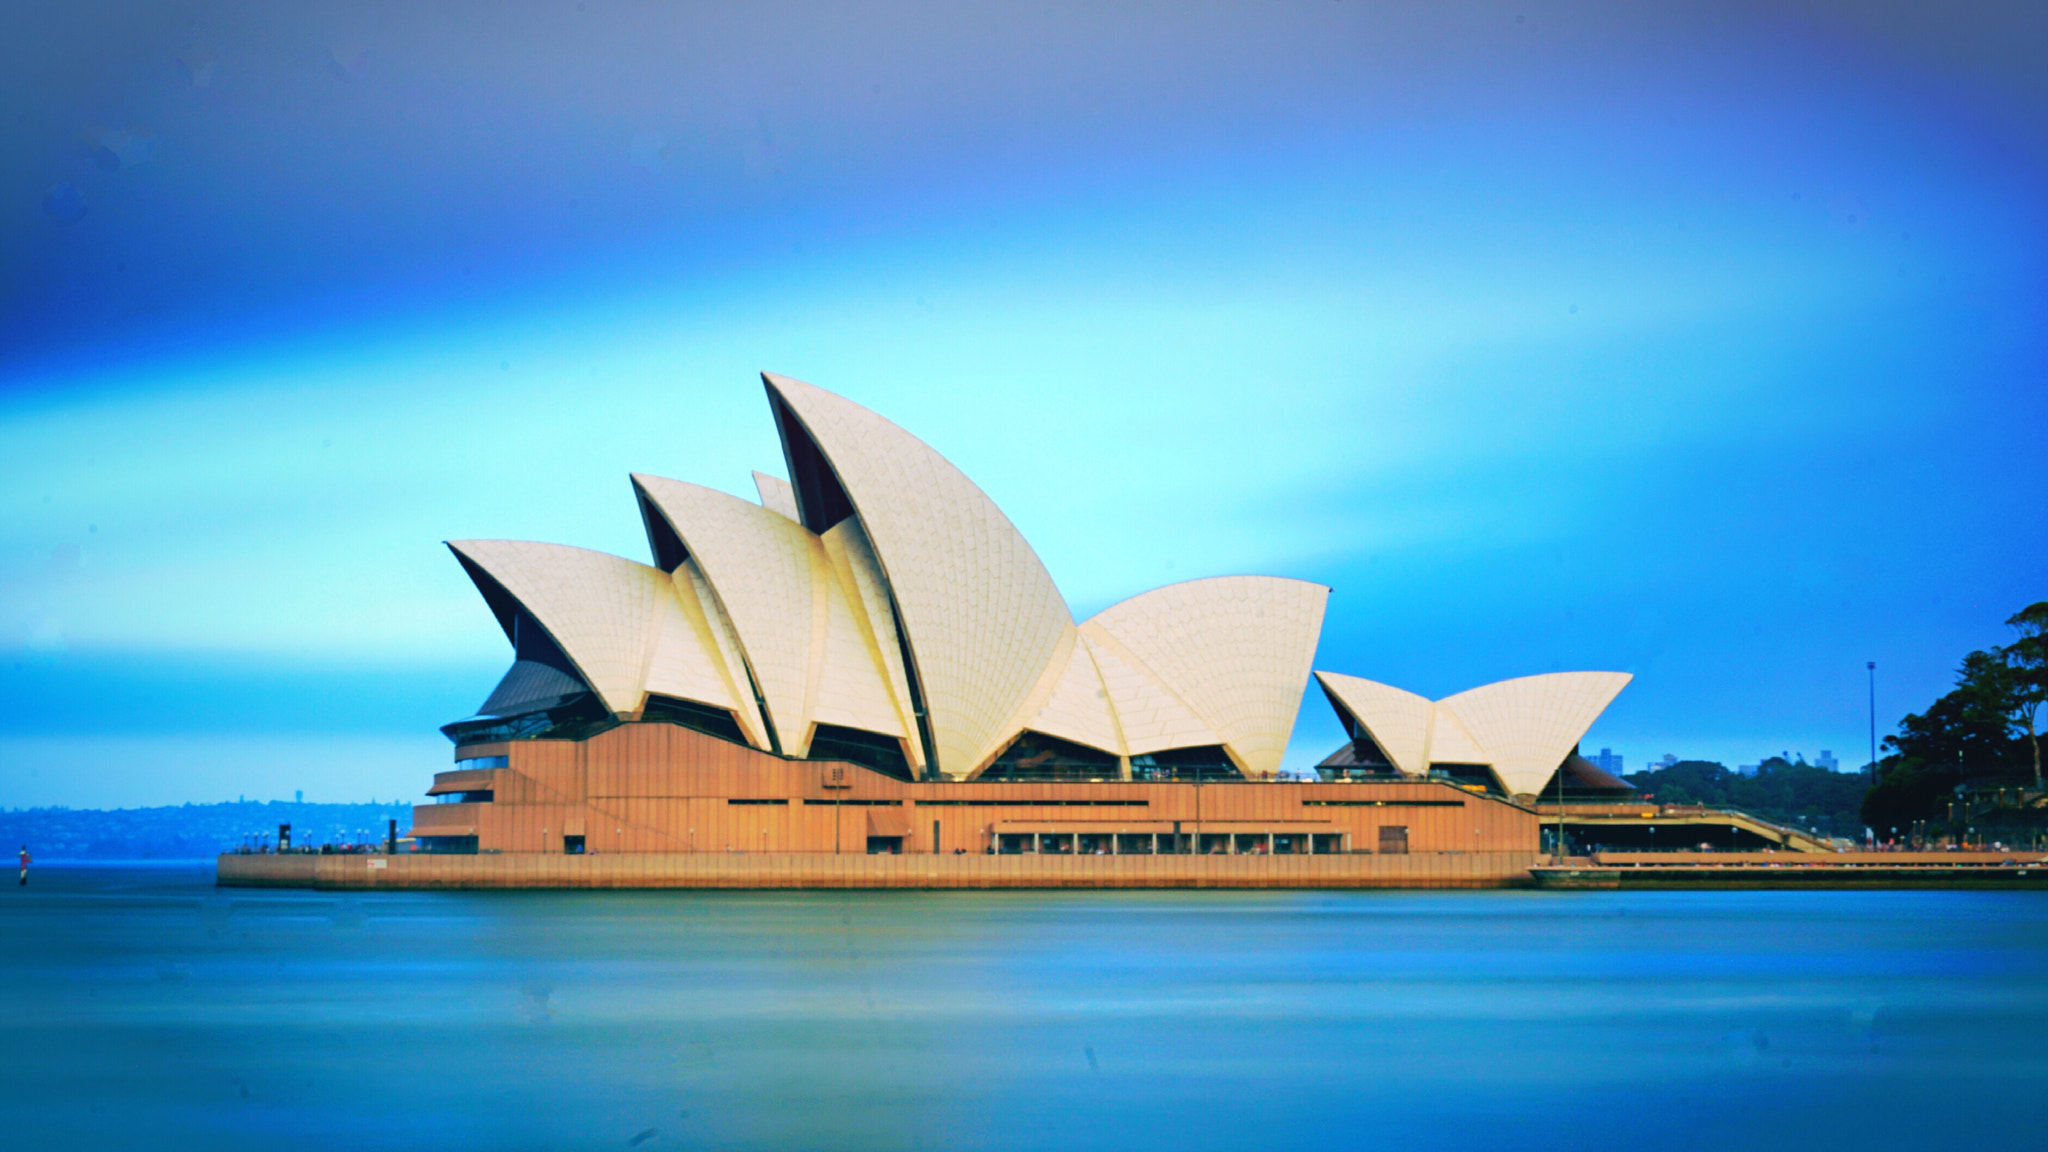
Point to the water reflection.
(143, 1007)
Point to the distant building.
(1745, 769)
(1827, 760)
(1609, 761)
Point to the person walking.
(24, 865)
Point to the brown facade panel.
(655, 789)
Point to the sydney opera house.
(871, 659)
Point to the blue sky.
(1703, 343)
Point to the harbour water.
(141, 1007)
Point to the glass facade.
(1036, 756)
(448, 845)
(478, 763)
(873, 750)
(694, 716)
(577, 718)
(1208, 762)
(1478, 777)
(485, 796)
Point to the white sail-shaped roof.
(853, 560)
(879, 589)
(1397, 721)
(982, 616)
(693, 591)
(1236, 649)
(1149, 715)
(776, 494)
(760, 567)
(1523, 729)
(1528, 725)
(620, 623)
(1077, 707)
(797, 628)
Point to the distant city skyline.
(1332, 292)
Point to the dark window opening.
(1361, 759)
(739, 800)
(1024, 802)
(577, 718)
(481, 796)
(885, 845)
(1393, 840)
(821, 501)
(870, 750)
(1036, 756)
(1383, 803)
(662, 541)
(1208, 762)
(572, 845)
(447, 845)
(696, 717)
(1478, 777)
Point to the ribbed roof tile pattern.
(776, 494)
(693, 591)
(918, 586)
(1149, 716)
(1237, 649)
(1078, 708)
(850, 686)
(599, 608)
(1523, 728)
(983, 616)
(762, 568)
(846, 545)
(1530, 724)
(1397, 721)
(685, 663)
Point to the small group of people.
(25, 858)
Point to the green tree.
(2026, 666)
(1965, 735)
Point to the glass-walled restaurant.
(1265, 841)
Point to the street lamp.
(1870, 666)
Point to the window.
(1478, 777)
(694, 716)
(1382, 803)
(479, 763)
(484, 796)
(447, 845)
(572, 845)
(1208, 762)
(578, 717)
(1036, 756)
(1393, 840)
(1027, 803)
(870, 750)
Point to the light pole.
(1870, 666)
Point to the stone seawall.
(812, 870)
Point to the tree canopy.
(1982, 730)
(1794, 793)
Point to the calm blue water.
(142, 1008)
